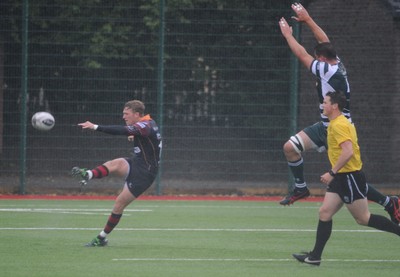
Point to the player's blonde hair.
(136, 106)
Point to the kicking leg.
(118, 167)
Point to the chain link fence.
(226, 90)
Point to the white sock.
(90, 174)
(387, 201)
(102, 234)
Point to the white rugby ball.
(43, 121)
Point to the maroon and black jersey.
(147, 140)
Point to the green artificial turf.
(185, 238)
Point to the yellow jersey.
(339, 131)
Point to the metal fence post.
(160, 90)
(24, 91)
(294, 91)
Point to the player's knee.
(294, 144)
(117, 166)
(362, 219)
(287, 147)
(324, 214)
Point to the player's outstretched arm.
(303, 16)
(298, 50)
(87, 125)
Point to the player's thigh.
(330, 206)
(119, 167)
(123, 200)
(359, 210)
(316, 134)
(307, 142)
(296, 144)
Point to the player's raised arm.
(298, 50)
(303, 16)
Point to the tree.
(232, 39)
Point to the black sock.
(382, 223)
(324, 231)
(376, 196)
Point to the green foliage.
(219, 55)
(114, 29)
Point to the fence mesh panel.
(227, 89)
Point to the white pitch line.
(245, 260)
(183, 229)
(68, 211)
(200, 260)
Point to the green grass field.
(185, 238)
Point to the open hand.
(285, 28)
(301, 12)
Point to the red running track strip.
(153, 197)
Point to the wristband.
(331, 173)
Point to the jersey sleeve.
(322, 70)
(114, 130)
(313, 67)
(342, 133)
(142, 128)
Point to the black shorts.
(140, 177)
(317, 133)
(349, 186)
